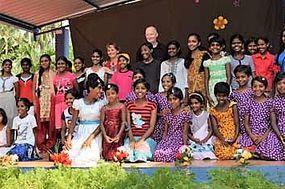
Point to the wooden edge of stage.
(194, 164)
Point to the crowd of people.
(212, 100)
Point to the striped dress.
(140, 122)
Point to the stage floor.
(195, 164)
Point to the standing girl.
(241, 96)
(239, 58)
(26, 82)
(63, 81)
(9, 91)
(264, 62)
(123, 77)
(43, 90)
(97, 57)
(217, 69)
(25, 126)
(201, 140)
(251, 46)
(5, 135)
(113, 121)
(86, 145)
(79, 67)
(175, 65)
(194, 64)
(257, 123)
(225, 123)
(149, 66)
(176, 129)
(163, 107)
(141, 116)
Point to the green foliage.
(112, 176)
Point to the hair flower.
(220, 23)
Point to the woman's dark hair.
(260, 79)
(222, 87)
(217, 40)
(198, 96)
(111, 86)
(247, 42)
(115, 45)
(4, 115)
(243, 69)
(82, 61)
(4, 62)
(211, 35)
(141, 81)
(175, 91)
(279, 77)
(26, 102)
(64, 59)
(177, 45)
(26, 60)
(139, 55)
(93, 81)
(139, 71)
(99, 51)
(41, 71)
(265, 39)
(70, 91)
(235, 36)
(188, 58)
(172, 77)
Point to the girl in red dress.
(113, 120)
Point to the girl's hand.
(108, 139)
(132, 144)
(116, 139)
(67, 143)
(87, 143)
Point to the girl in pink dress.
(63, 81)
(113, 121)
(123, 77)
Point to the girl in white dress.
(201, 140)
(5, 135)
(87, 110)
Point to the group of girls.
(152, 109)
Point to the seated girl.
(141, 116)
(176, 128)
(25, 126)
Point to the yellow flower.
(185, 158)
(242, 160)
(220, 23)
(246, 155)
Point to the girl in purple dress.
(278, 110)
(257, 123)
(176, 129)
(168, 81)
(240, 96)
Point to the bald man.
(159, 49)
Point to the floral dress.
(226, 126)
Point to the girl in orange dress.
(224, 119)
(194, 64)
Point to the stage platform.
(273, 170)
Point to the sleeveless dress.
(167, 148)
(89, 121)
(226, 126)
(112, 126)
(199, 129)
(3, 141)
